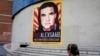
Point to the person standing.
(73, 50)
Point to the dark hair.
(48, 4)
(73, 49)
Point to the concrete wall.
(82, 17)
(80, 23)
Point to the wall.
(5, 21)
(80, 24)
(84, 15)
(5, 24)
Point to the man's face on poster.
(47, 17)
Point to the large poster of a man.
(47, 22)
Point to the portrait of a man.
(48, 24)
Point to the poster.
(47, 17)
